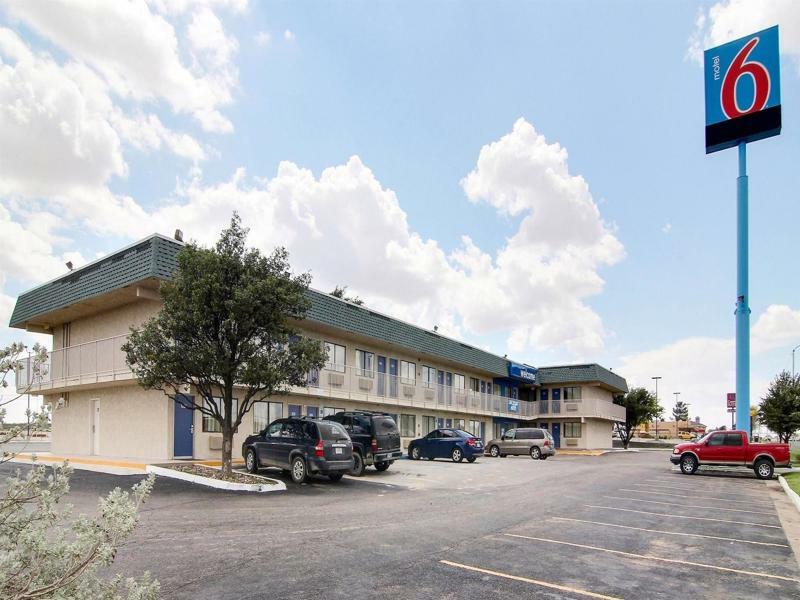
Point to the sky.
(530, 177)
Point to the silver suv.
(538, 443)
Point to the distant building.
(672, 428)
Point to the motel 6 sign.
(743, 92)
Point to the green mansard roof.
(582, 373)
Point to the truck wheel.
(688, 464)
(299, 473)
(382, 466)
(358, 465)
(764, 469)
(536, 453)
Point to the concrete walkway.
(101, 464)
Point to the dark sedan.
(454, 444)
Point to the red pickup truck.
(730, 448)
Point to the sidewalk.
(112, 466)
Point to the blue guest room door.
(381, 376)
(556, 431)
(183, 428)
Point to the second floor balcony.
(102, 362)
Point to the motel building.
(423, 379)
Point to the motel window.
(459, 424)
(265, 413)
(572, 393)
(428, 424)
(336, 359)
(327, 411)
(428, 376)
(474, 428)
(364, 363)
(210, 424)
(458, 381)
(408, 425)
(474, 384)
(312, 411)
(489, 387)
(572, 430)
(295, 410)
(408, 372)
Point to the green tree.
(780, 408)
(640, 407)
(339, 292)
(228, 329)
(680, 412)
(45, 551)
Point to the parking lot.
(613, 526)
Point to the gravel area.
(213, 473)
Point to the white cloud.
(667, 227)
(262, 38)
(726, 21)
(136, 51)
(703, 369)
(288, 35)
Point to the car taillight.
(470, 441)
(374, 444)
(546, 443)
(319, 449)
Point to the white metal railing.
(103, 360)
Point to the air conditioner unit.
(364, 384)
(60, 403)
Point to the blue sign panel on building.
(522, 372)
(513, 406)
(743, 91)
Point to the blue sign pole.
(742, 298)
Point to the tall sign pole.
(743, 104)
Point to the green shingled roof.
(581, 373)
(151, 257)
(155, 257)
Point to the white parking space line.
(692, 488)
(681, 505)
(676, 533)
(547, 584)
(697, 497)
(741, 483)
(668, 516)
(656, 558)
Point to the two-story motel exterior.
(376, 362)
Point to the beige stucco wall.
(134, 423)
(110, 323)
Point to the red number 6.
(761, 83)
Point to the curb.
(790, 492)
(277, 486)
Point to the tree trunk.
(227, 447)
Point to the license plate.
(338, 450)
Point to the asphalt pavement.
(622, 525)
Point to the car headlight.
(675, 451)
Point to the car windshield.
(384, 424)
(704, 438)
(331, 431)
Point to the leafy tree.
(228, 329)
(780, 408)
(338, 292)
(640, 407)
(45, 552)
(680, 412)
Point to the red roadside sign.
(732, 400)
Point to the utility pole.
(656, 380)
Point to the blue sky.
(416, 90)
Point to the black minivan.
(300, 446)
(376, 439)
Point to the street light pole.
(793, 349)
(656, 380)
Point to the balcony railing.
(103, 361)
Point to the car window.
(522, 434)
(274, 430)
(361, 424)
(384, 425)
(733, 439)
(510, 434)
(310, 430)
(537, 434)
(717, 440)
(330, 431)
(433, 435)
(292, 429)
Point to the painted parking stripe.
(753, 512)
(692, 488)
(678, 533)
(696, 497)
(642, 512)
(745, 483)
(547, 584)
(656, 558)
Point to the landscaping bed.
(793, 479)
(214, 477)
